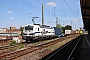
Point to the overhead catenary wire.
(17, 9)
(31, 4)
(70, 9)
(12, 9)
(45, 8)
(36, 7)
(74, 6)
(52, 8)
(20, 10)
(57, 11)
(53, 13)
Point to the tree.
(10, 31)
(63, 29)
(68, 27)
(58, 26)
(21, 29)
(80, 28)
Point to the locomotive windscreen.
(29, 28)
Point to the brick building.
(14, 30)
(3, 30)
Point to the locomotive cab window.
(29, 28)
(38, 29)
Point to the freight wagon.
(68, 32)
(58, 32)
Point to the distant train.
(39, 32)
(69, 32)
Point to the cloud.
(12, 18)
(9, 12)
(51, 4)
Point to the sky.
(20, 12)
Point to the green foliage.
(80, 28)
(63, 29)
(49, 48)
(21, 28)
(21, 46)
(10, 31)
(77, 30)
(58, 26)
(10, 28)
(68, 27)
(12, 42)
(52, 47)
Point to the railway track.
(8, 46)
(24, 51)
(4, 41)
(19, 53)
(70, 51)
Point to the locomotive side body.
(33, 32)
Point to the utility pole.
(71, 24)
(54, 12)
(59, 21)
(42, 14)
(56, 21)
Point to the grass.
(59, 44)
(36, 43)
(53, 47)
(21, 46)
(13, 42)
(16, 48)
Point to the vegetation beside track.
(39, 54)
(61, 43)
(12, 46)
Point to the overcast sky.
(20, 12)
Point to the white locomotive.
(37, 31)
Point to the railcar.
(37, 32)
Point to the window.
(38, 29)
(29, 28)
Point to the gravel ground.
(37, 55)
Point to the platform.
(85, 51)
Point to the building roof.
(85, 9)
(8, 34)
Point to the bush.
(21, 46)
(12, 42)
